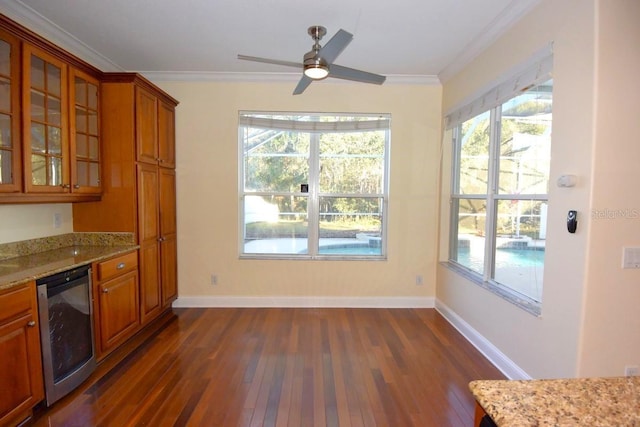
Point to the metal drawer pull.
(31, 323)
(120, 266)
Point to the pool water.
(504, 258)
(349, 250)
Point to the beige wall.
(589, 324)
(23, 222)
(611, 336)
(207, 176)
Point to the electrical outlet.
(419, 281)
(631, 371)
(214, 279)
(57, 220)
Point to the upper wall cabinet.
(10, 174)
(55, 154)
(45, 133)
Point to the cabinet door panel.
(119, 314)
(10, 171)
(84, 147)
(45, 129)
(20, 362)
(167, 196)
(168, 256)
(150, 304)
(166, 135)
(146, 127)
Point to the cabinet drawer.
(16, 302)
(117, 266)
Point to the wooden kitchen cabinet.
(116, 302)
(45, 130)
(10, 154)
(49, 116)
(21, 381)
(139, 189)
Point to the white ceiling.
(401, 38)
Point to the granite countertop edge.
(597, 402)
(43, 257)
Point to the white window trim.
(535, 71)
(315, 128)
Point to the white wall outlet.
(630, 257)
(214, 279)
(631, 371)
(419, 280)
(57, 220)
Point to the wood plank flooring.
(286, 367)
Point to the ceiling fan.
(318, 62)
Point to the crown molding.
(26, 16)
(496, 28)
(214, 76)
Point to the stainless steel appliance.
(66, 330)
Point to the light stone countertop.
(580, 402)
(37, 258)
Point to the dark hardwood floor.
(286, 367)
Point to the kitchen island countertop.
(560, 402)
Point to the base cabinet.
(116, 302)
(21, 382)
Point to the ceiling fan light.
(316, 71)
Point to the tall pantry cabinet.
(139, 193)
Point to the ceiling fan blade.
(302, 85)
(330, 51)
(270, 61)
(347, 73)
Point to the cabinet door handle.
(76, 186)
(31, 323)
(120, 266)
(105, 291)
(65, 185)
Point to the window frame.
(313, 195)
(492, 197)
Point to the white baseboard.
(316, 302)
(484, 346)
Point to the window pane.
(470, 240)
(81, 119)
(37, 72)
(82, 173)
(37, 106)
(525, 142)
(350, 226)
(92, 96)
(5, 130)
(81, 91)
(38, 170)
(55, 171)
(81, 146)
(54, 111)
(54, 140)
(94, 175)
(520, 244)
(275, 224)
(94, 153)
(53, 79)
(5, 167)
(276, 160)
(352, 162)
(38, 138)
(5, 95)
(474, 155)
(5, 58)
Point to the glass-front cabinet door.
(85, 135)
(46, 143)
(10, 175)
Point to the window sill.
(526, 304)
